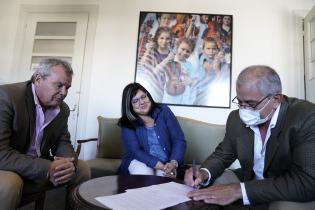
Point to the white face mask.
(252, 117)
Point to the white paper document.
(148, 198)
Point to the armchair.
(109, 149)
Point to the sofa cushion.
(201, 138)
(103, 166)
(109, 144)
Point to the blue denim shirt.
(155, 146)
(169, 134)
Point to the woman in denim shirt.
(151, 135)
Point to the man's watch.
(175, 163)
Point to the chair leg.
(40, 202)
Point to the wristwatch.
(175, 163)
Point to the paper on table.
(153, 197)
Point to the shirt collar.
(36, 101)
(274, 118)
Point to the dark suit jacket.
(17, 121)
(289, 160)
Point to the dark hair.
(209, 39)
(159, 15)
(128, 117)
(45, 65)
(189, 42)
(161, 30)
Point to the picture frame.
(185, 59)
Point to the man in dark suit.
(35, 148)
(272, 136)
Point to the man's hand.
(201, 176)
(61, 170)
(218, 194)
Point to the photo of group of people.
(185, 59)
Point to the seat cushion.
(103, 166)
(288, 205)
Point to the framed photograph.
(185, 59)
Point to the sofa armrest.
(82, 141)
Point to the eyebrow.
(139, 96)
(249, 101)
(63, 84)
(246, 101)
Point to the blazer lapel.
(245, 147)
(271, 149)
(273, 142)
(30, 106)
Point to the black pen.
(194, 169)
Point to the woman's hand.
(170, 169)
(159, 166)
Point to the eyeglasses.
(248, 104)
(136, 101)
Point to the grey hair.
(130, 115)
(45, 66)
(265, 79)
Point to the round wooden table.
(84, 194)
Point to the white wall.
(264, 32)
(8, 24)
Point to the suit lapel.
(273, 142)
(30, 106)
(47, 133)
(246, 150)
(272, 147)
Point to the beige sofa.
(201, 137)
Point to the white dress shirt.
(259, 152)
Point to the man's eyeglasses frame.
(253, 107)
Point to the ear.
(278, 98)
(37, 79)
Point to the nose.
(141, 100)
(64, 91)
